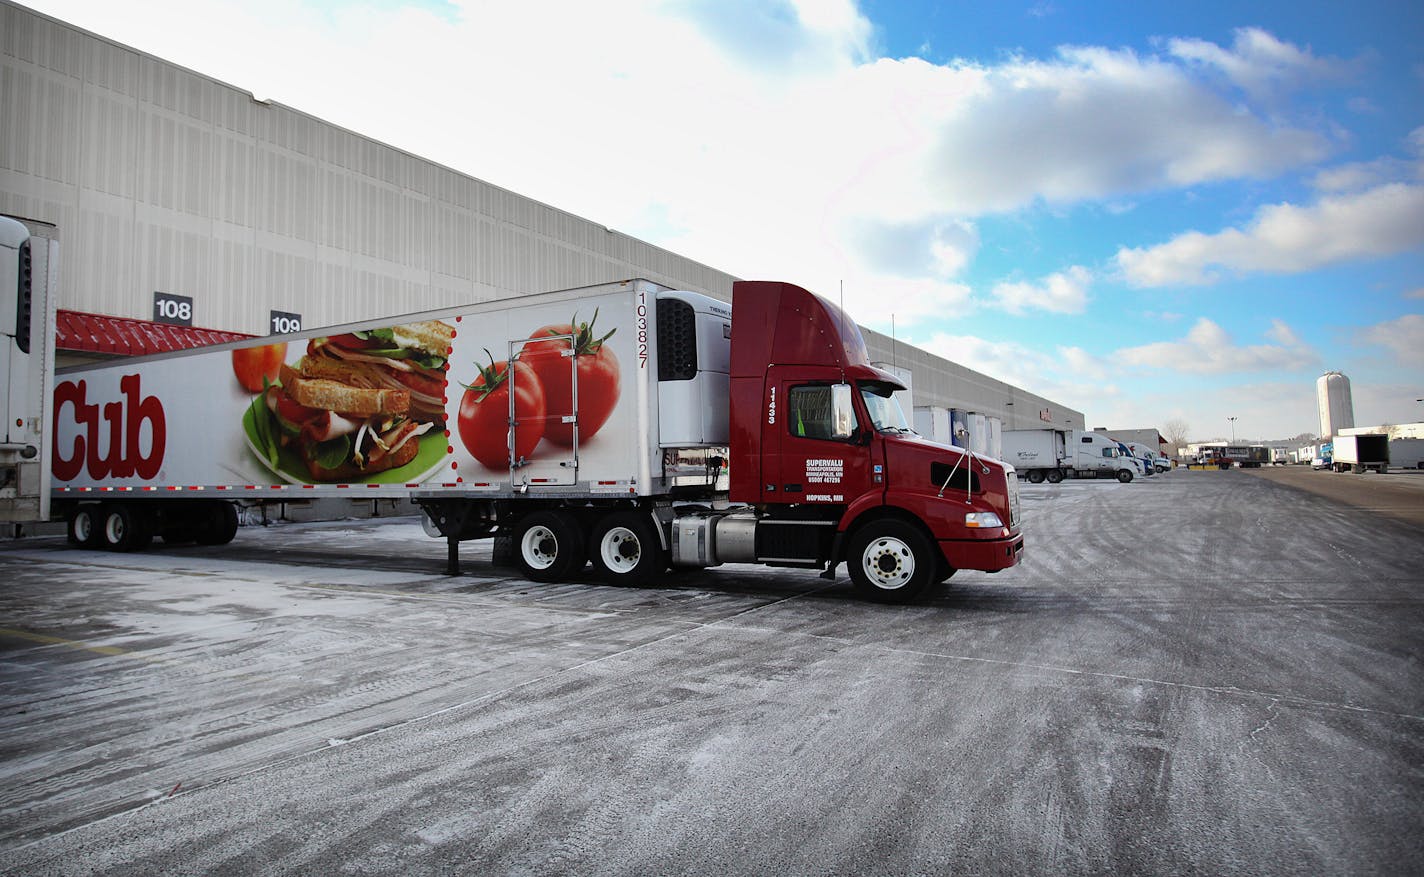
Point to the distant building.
(1393, 430)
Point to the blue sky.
(1145, 211)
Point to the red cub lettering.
(124, 457)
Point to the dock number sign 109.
(175, 310)
(283, 322)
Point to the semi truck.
(627, 425)
(1146, 455)
(1360, 453)
(1054, 454)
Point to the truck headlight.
(981, 520)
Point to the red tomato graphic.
(252, 364)
(597, 368)
(484, 414)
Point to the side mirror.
(842, 412)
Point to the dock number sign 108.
(175, 310)
(283, 322)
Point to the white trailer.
(1054, 454)
(1406, 453)
(1361, 453)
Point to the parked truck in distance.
(1146, 455)
(1054, 454)
(1226, 456)
(1406, 453)
(627, 425)
(1360, 453)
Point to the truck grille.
(1013, 480)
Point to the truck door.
(803, 462)
(555, 463)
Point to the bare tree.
(1176, 432)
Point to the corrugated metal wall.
(164, 180)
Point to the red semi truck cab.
(814, 428)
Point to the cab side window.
(808, 411)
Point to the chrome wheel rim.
(888, 563)
(539, 547)
(620, 549)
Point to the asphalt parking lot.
(1200, 672)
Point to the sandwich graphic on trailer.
(356, 404)
(409, 357)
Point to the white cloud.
(1259, 63)
(1095, 124)
(1415, 293)
(1287, 239)
(1361, 175)
(1208, 349)
(1069, 375)
(1403, 336)
(1064, 292)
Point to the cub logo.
(123, 458)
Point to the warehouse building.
(176, 194)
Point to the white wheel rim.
(83, 526)
(534, 549)
(114, 529)
(620, 549)
(888, 563)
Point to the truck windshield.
(883, 408)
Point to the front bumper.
(989, 555)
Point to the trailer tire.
(1124, 476)
(550, 546)
(82, 527)
(1054, 476)
(1035, 476)
(625, 550)
(891, 561)
(217, 524)
(121, 529)
(504, 552)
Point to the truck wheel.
(84, 527)
(625, 550)
(121, 529)
(505, 551)
(1035, 476)
(943, 571)
(217, 524)
(551, 547)
(1054, 476)
(891, 561)
(1124, 476)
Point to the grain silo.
(1337, 410)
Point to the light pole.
(1233, 429)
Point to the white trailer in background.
(1406, 453)
(1360, 453)
(932, 422)
(1054, 454)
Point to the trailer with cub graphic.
(628, 426)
